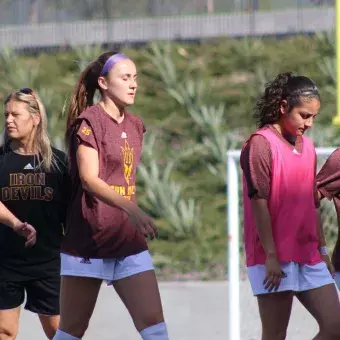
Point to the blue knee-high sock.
(156, 332)
(60, 335)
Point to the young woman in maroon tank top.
(286, 248)
(328, 182)
(106, 231)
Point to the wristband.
(323, 250)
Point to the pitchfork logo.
(127, 160)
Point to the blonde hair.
(41, 141)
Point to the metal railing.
(141, 30)
(26, 12)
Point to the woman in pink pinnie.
(284, 239)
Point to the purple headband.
(112, 61)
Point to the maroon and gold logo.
(127, 161)
(31, 186)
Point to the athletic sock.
(156, 332)
(60, 335)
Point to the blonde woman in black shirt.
(34, 187)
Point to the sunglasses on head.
(27, 90)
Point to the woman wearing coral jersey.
(284, 239)
(328, 182)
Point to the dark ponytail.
(287, 87)
(83, 94)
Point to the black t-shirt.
(41, 199)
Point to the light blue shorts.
(106, 269)
(299, 277)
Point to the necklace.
(123, 126)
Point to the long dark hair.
(287, 87)
(83, 94)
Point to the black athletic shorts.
(42, 295)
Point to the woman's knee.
(148, 319)
(75, 327)
(49, 324)
(8, 332)
(78, 298)
(9, 324)
(275, 312)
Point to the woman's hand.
(142, 222)
(274, 274)
(27, 231)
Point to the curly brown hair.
(287, 87)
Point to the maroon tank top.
(93, 228)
